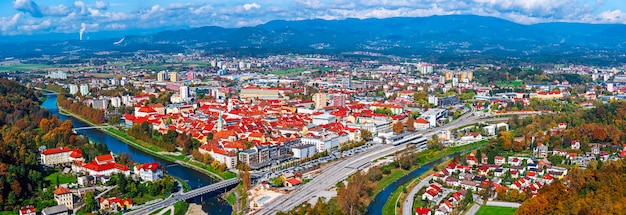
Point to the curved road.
(408, 203)
(342, 169)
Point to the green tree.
(277, 182)
(90, 202)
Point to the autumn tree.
(410, 126)
(398, 127)
(366, 134)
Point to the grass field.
(63, 179)
(180, 208)
(21, 67)
(294, 71)
(489, 210)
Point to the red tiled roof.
(150, 166)
(76, 153)
(28, 209)
(421, 121)
(293, 181)
(104, 158)
(422, 211)
(62, 190)
(57, 150)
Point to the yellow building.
(174, 76)
(448, 76)
(320, 100)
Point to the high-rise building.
(448, 76)
(339, 100)
(184, 93)
(73, 89)
(161, 76)
(470, 76)
(84, 89)
(426, 69)
(173, 76)
(242, 65)
(319, 100)
(213, 63)
(463, 77)
(191, 75)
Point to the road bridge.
(188, 195)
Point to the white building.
(149, 171)
(324, 119)
(303, 151)
(84, 89)
(322, 143)
(73, 89)
(184, 93)
(57, 75)
(60, 155)
(433, 115)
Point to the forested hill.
(17, 102)
(598, 189)
(24, 127)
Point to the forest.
(93, 115)
(599, 190)
(24, 128)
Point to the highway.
(344, 168)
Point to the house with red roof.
(149, 171)
(64, 196)
(115, 203)
(422, 211)
(292, 182)
(421, 124)
(28, 210)
(103, 165)
(60, 156)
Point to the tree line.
(93, 115)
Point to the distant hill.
(453, 34)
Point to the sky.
(28, 17)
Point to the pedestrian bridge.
(93, 127)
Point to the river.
(376, 206)
(211, 203)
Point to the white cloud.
(101, 5)
(107, 15)
(612, 16)
(251, 6)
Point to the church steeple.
(220, 122)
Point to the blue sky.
(26, 17)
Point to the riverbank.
(429, 157)
(182, 160)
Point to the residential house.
(422, 211)
(499, 160)
(115, 203)
(149, 171)
(469, 185)
(421, 124)
(575, 145)
(64, 196)
(28, 210)
(292, 182)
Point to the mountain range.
(451, 34)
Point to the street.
(342, 169)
